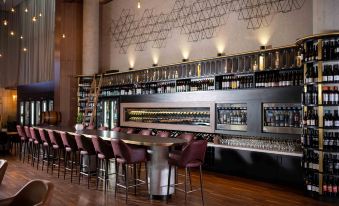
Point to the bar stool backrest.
(44, 136)
(193, 152)
(69, 141)
(3, 168)
(145, 132)
(55, 138)
(85, 144)
(27, 132)
(116, 129)
(101, 147)
(21, 132)
(34, 135)
(163, 134)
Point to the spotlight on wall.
(130, 69)
(265, 47)
(139, 4)
(184, 60)
(24, 49)
(221, 54)
(14, 97)
(154, 65)
(0, 55)
(21, 37)
(12, 10)
(26, 10)
(12, 33)
(5, 22)
(63, 36)
(34, 18)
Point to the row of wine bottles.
(330, 186)
(331, 163)
(330, 95)
(282, 117)
(236, 82)
(331, 118)
(279, 78)
(310, 139)
(330, 73)
(330, 50)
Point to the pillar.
(90, 48)
(325, 16)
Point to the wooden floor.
(219, 190)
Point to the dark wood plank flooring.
(219, 190)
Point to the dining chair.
(35, 192)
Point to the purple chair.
(116, 129)
(71, 149)
(23, 142)
(192, 156)
(37, 142)
(58, 149)
(163, 134)
(35, 192)
(86, 148)
(3, 168)
(127, 155)
(104, 154)
(46, 147)
(145, 132)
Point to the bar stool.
(86, 148)
(23, 142)
(58, 149)
(37, 142)
(29, 144)
(189, 137)
(46, 147)
(145, 132)
(104, 154)
(71, 149)
(128, 130)
(192, 156)
(116, 129)
(127, 155)
(166, 134)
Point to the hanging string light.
(12, 32)
(12, 7)
(34, 11)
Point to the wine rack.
(282, 118)
(320, 138)
(188, 116)
(231, 117)
(84, 86)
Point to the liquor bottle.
(325, 51)
(336, 71)
(329, 73)
(336, 50)
(325, 187)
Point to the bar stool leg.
(43, 155)
(81, 167)
(59, 161)
(106, 173)
(126, 181)
(88, 171)
(168, 182)
(48, 157)
(37, 164)
(116, 177)
(98, 171)
(135, 177)
(65, 164)
(72, 164)
(185, 184)
(201, 190)
(190, 179)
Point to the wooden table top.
(135, 139)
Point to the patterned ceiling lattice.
(198, 20)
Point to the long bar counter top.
(135, 139)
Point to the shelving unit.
(315, 140)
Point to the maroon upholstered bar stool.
(127, 155)
(163, 134)
(30, 144)
(23, 141)
(116, 129)
(58, 149)
(46, 147)
(37, 142)
(86, 148)
(128, 130)
(103, 128)
(71, 149)
(90, 126)
(192, 156)
(145, 132)
(104, 154)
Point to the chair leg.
(88, 171)
(48, 157)
(146, 174)
(80, 167)
(185, 184)
(126, 181)
(43, 155)
(53, 161)
(201, 187)
(135, 177)
(59, 161)
(98, 171)
(65, 164)
(37, 164)
(72, 164)
(106, 174)
(116, 177)
(190, 179)
(168, 182)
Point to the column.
(325, 15)
(90, 49)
